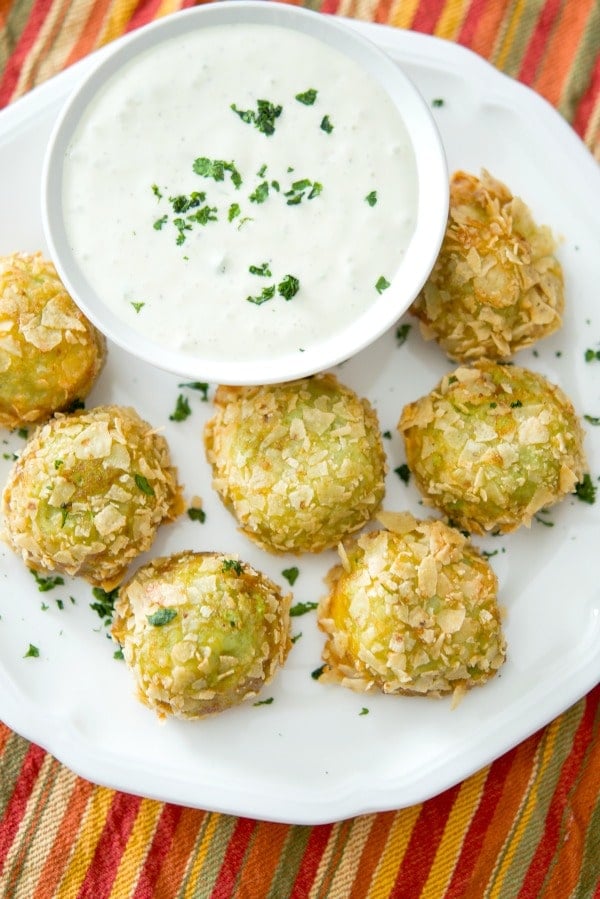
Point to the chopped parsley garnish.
(586, 490)
(295, 638)
(232, 565)
(216, 169)
(387, 435)
(260, 193)
(262, 270)
(545, 522)
(264, 701)
(202, 386)
(156, 191)
(291, 575)
(182, 409)
(364, 711)
(143, 484)
(234, 211)
(288, 287)
(261, 171)
(263, 118)
(402, 332)
(196, 515)
(437, 102)
(47, 583)
(23, 432)
(592, 355)
(326, 125)
(138, 306)
(58, 463)
(160, 222)
(301, 608)
(299, 188)
(307, 97)
(403, 472)
(204, 215)
(516, 405)
(182, 203)
(105, 602)
(382, 284)
(267, 293)
(316, 674)
(33, 652)
(118, 654)
(371, 198)
(161, 617)
(60, 603)
(592, 419)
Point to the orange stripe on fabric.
(310, 862)
(17, 806)
(427, 15)
(89, 38)
(116, 21)
(8, 83)
(90, 828)
(5, 735)
(448, 852)
(403, 13)
(234, 857)
(452, 17)
(580, 758)
(482, 26)
(181, 849)
(52, 871)
(262, 858)
(371, 854)
(393, 852)
(136, 850)
(559, 55)
(538, 40)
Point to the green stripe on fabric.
(213, 854)
(541, 787)
(290, 859)
(11, 764)
(15, 24)
(512, 54)
(588, 881)
(582, 66)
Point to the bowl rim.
(378, 316)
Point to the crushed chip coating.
(496, 286)
(201, 632)
(88, 494)
(493, 444)
(50, 354)
(411, 611)
(300, 464)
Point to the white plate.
(310, 756)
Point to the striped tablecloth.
(526, 826)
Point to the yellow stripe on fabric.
(167, 7)
(447, 854)
(339, 834)
(82, 852)
(592, 132)
(581, 70)
(450, 21)
(43, 39)
(393, 852)
(403, 12)
(119, 15)
(510, 34)
(341, 882)
(18, 867)
(54, 57)
(217, 826)
(136, 850)
(358, 9)
(339, 847)
(530, 797)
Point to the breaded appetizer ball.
(50, 354)
(493, 444)
(300, 464)
(496, 286)
(201, 632)
(88, 493)
(411, 610)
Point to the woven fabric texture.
(526, 826)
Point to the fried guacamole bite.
(411, 609)
(492, 445)
(201, 632)
(496, 286)
(300, 465)
(88, 494)
(50, 354)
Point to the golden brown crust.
(411, 610)
(300, 465)
(50, 354)
(88, 494)
(496, 286)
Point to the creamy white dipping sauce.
(311, 257)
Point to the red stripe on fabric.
(161, 844)
(423, 844)
(18, 801)
(315, 848)
(144, 12)
(117, 828)
(493, 788)
(330, 6)
(426, 15)
(36, 19)
(588, 101)
(539, 39)
(571, 768)
(470, 22)
(234, 856)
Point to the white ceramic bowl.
(229, 366)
